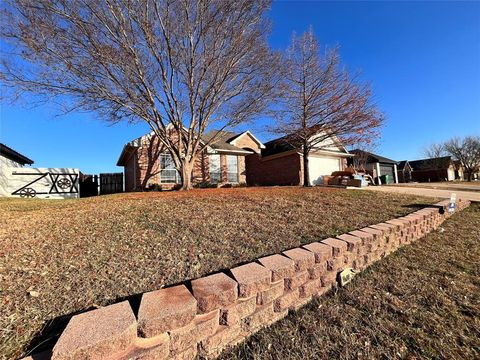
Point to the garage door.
(320, 166)
(387, 170)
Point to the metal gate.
(111, 183)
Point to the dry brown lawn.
(422, 302)
(62, 257)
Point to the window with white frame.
(232, 169)
(168, 171)
(215, 169)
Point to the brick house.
(376, 165)
(146, 163)
(436, 169)
(280, 163)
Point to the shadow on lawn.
(420, 206)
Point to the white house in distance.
(16, 180)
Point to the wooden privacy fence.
(107, 183)
(111, 183)
(88, 185)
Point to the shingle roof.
(401, 165)
(373, 158)
(432, 163)
(222, 140)
(11, 154)
(277, 146)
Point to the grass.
(422, 302)
(62, 257)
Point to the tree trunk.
(306, 172)
(186, 175)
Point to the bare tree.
(360, 160)
(178, 65)
(467, 151)
(435, 150)
(435, 157)
(321, 102)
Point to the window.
(168, 172)
(215, 169)
(232, 169)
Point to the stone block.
(281, 266)
(296, 280)
(223, 336)
(182, 338)
(262, 316)
(366, 237)
(353, 242)
(165, 309)
(329, 278)
(232, 314)
(251, 278)
(214, 292)
(339, 247)
(286, 301)
(303, 258)
(317, 270)
(98, 333)
(206, 324)
(322, 251)
(269, 295)
(310, 288)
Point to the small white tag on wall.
(452, 203)
(345, 276)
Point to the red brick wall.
(143, 168)
(129, 170)
(285, 170)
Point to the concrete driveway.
(458, 186)
(438, 192)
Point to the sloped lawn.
(421, 302)
(61, 257)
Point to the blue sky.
(422, 59)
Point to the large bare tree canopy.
(321, 101)
(467, 151)
(187, 63)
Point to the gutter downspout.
(395, 173)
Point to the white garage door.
(320, 166)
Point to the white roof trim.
(260, 144)
(332, 153)
(224, 151)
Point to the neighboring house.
(12, 158)
(280, 163)
(146, 162)
(378, 165)
(27, 182)
(404, 171)
(9, 158)
(459, 173)
(434, 169)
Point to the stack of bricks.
(208, 314)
